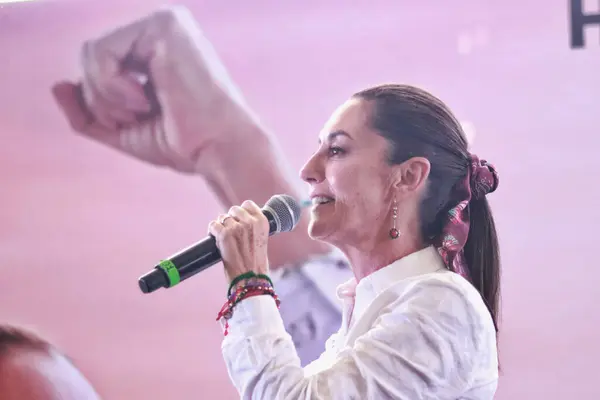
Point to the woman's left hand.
(241, 237)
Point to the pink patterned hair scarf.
(481, 179)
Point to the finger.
(252, 208)
(216, 229)
(95, 63)
(128, 92)
(69, 98)
(124, 92)
(95, 69)
(103, 90)
(110, 110)
(97, 105)
(113, 111)
(104, 74)
(122, 116)
(224, 219)
(240, 214)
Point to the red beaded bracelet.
(244, 292)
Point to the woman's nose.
(312, 171)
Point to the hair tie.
(483, 179)
(480, 180)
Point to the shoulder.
(441, 291)
(439, 322)
(446, 302)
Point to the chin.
(319, 230)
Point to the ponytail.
(482, 255)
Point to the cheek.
(359, 189)
(345, 184)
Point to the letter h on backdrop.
(579, 21)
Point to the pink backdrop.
(79, 222)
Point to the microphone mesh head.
(287, 211)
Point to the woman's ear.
(411, 175)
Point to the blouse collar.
(362, 294)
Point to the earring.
(394, 233)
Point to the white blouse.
(412, 330)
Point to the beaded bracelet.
(247, 275)
(255, 285)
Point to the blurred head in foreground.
(33, 369)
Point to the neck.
(365, 261)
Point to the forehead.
(351, 117)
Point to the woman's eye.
(334, 151)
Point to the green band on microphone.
(171, 272)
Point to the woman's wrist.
(242, 287)
(249, 280)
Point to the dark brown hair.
(417, 124)
(12, 337)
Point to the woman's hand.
(241, 237)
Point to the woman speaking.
(395, 189)
(393, 186)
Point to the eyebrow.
(335, 134)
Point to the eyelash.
(335, 151)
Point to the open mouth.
(320, 200)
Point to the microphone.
(282, 212)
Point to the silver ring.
(222, 221)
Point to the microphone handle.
(188, 262)
(194, 259)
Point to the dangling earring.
(394, 233)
